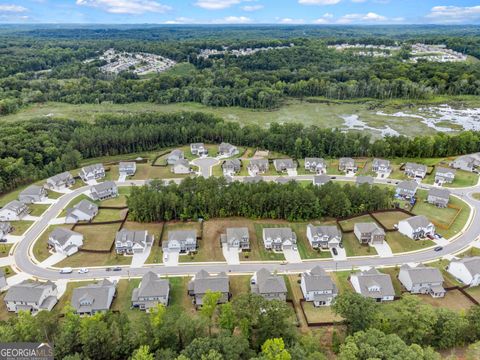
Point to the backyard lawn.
(109, 215)
(389, 219)
(20, 227)
(320, 314)
(348, 225)
(354, 248)
(178, 294)
(239, 284)
(397, 285)
(453, 300)
(123, 299)
(340, 278)
(98, 237)
(401, 243)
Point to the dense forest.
(251, 328)
(36, 149)
(209, 198)
(48, 65)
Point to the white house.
(324, 237)
(83, 211)
(279, 238)
(467, 270)
(5, 229)
(422, 280)
(318, 287)
(198, 149)
(316, 165)
(60, 181)
(127, 168)
(381, 167)
(65, 241)
(416, 227)
(373, 284)
(13, 211)
(33, 194)
(132, 241)
(92, 172)
(103, 191)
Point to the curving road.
(25, 263)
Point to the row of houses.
(407, 190)
(316, 285)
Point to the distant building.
(92, 172)
(198, 149)
(182, 167)
(416, 227)
(31, 296)
(236, 238)
(438, 197)
(231, 167)
(347, 165)
(316, 165)
(183, 241)
(373, 284)
(407, 189)
(83, 211)
(33, 194)
(279, 238)
(65, 241)
(93, 298)
(324, 237)
(415, 171)
(320, 180)
(444, 175)
(422, 280)
(257, 166)
(13, 211)
(226, 149)
(104, 191)
(60, 181)
(204, 282)
(175, 156)
(127, 168)
(318, 287)
(369, 233)
(381, 166)
(284, 165)
(360, 180)
(269, 286)
(467, 162)
(132, 241)
(151, 292)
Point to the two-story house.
(236, 238)
(174, 156)
(257, 166)
(369, 233)
(373, 284)
(278, 239)
(467, 162)
(422, 280)
(104, 191)
(316, 165)
(226, 149)
(65, 241)
(324, 237)
(182, 167)
(467, 270)
(33, 194)
(231, 167)
(127, 168)
(60, 181)
(31, 296)
(319, 180)
(204, 282)
(92, 172)
(406, 189)
(269, 286)
(415, 171)
(318, 287)
(381, 167)
(417, 227)
(93, 298)
(182, 241)
(132, 241)
(151, 291)
(347, 165)
(444, 175)
(5, 229)
(360, 180)
(438, 197)
(13, 211)
(284, 165)
(83, 211)
(198, 149)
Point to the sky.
(241, 11)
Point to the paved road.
(205, 165)
(24, 262)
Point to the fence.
(155, 159)
(372, 214)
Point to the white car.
(67, 270)
(83, 271)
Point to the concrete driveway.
(139, 259)
(52, 260)
(122, 177)
(292, 256)
(383, 250)
(171, 258)
(231, 255)
(341, 254)
(205, 165)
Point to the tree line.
(196, 198)
(38, 148)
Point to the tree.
(451, 329)
(274, 349)
(473, 351)
(226, 319)
(209, 306)
(143, 353)
(358, 311)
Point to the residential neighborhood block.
(83, 211)
(13, 211)
(204, 282)
(466, 270)
(236, 238)
(183, 241)
(269, 286)
(373, 284)
(318, 287)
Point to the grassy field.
(348, 225)
(98, 237)
(178, 294)
(5, 249)
(38, 209)
(354, 248)
(389, 219)
(19, 227)
(401, 243)
(239, 284)
(109, 215)
(453, 300)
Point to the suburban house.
(174, 156)
(467, 270)
(198, 149)
(132, 241)
(438, 197)
(278, 239)
(151, 292)
(183, 241)
(65, 241)
(467, 162)
(231, 167)
(269, 286)
(127, 168)
(444, 175)
(182, 167)
(416, 227)
(92, 172)
(236, 238)
(416, 171)
(406, 189)
(60, 181)
(204, 282)
(422, 280)
(381, 166)
(226, 149)
(93, 298)
(33, 194)
(318, 287)
(373, 284)
(369, 233)
(284, 165)
(5, 229)
(83, 211)
(14, 210)
(103, 191)
(252, 179)
(324, 237)
(347, 165)
(320, 180)
(257, 166)
(360, 180)
(316, 165)
(31, 296)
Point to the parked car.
(83, 271)
(66, 270)
(117, 268)
(334, 250)
(438, 248)
(3, 240)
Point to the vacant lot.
(98, 237)
(20, 227)
(146, 171)
(401, 243)
(389, 219)
(354, 248)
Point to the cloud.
(370, 17)
(454, 14)
(180, 20)
(12, 8)
(291, 21)
(252, 7)
(216, 4)
(318, 2)
(325, 19)
(126, 6)
(233, 20)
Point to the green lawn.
(98, 237)
(239, 284)
(320, 314)
(20, 227)
(354, 248)
(264, 253)
(178, 294)
(40, 250)
(348, 225)
(123, 299)
(304, 248)
(5, 249)
(38, 209)
(82, 259)
(54, 195)
(109, 215)
(462, 179)
(341, 280)
(389, 219)
(397, 285)
(401, 243)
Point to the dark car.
(108, 269)
(334, 250)
(438, 248)
(117, 268)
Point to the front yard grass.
(354, 248)
(401, 243)
(5, 250)
(98, 237)
(54, 195)
(86, 259)
(38, 209)
(20, 227)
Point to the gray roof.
(127, 164)
(346, 161)
(182, 235)
(196, 145)
(440, 193)
(107, 185)
(325, 230)
(232, 163)
(318, 280)
(443, 170)
(284, 163)
(321, 179)
(381, 162)
(5, 227)
(33, 190)
(95, 295)
(259, 162)
(85, 206)
(369, 227)
(204, 282)
(422, 274)
(237, 233)
(284, 180)
(283, 233)
(418, 221)
(15, 206)
(373, 277)
(176, 153)
(225, 147)
(270, 283)
(92, 168)
(61, 235)
(415, 167)
(471, 263)
(152, 286)
(134, 236)
(60, 178)
(182, 162)
(315, 160)
(28, 291)
(252, 179)
(410, 185)
(364, 180)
